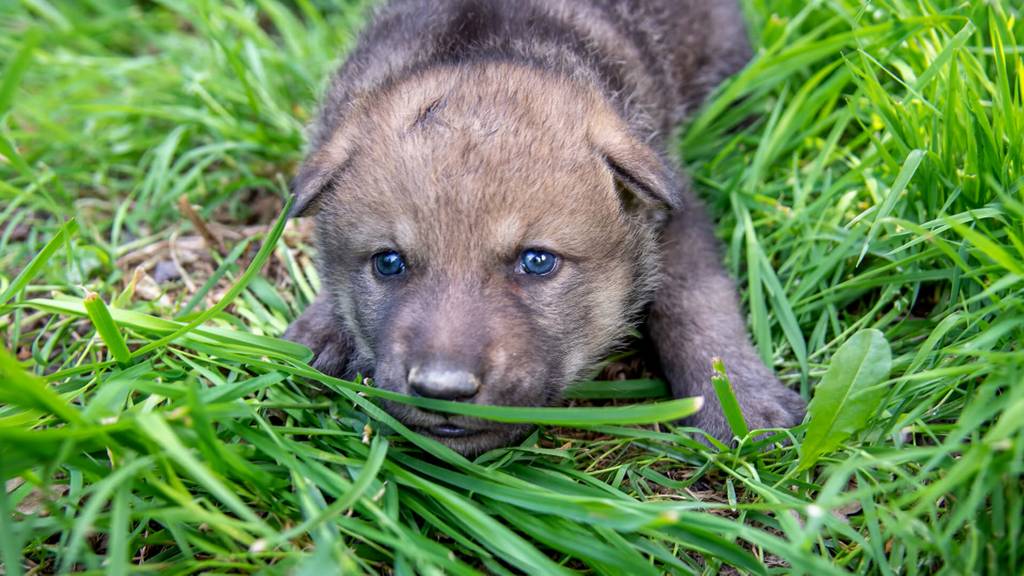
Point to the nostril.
(443, 383)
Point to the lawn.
(867, 171)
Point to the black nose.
(443, 383)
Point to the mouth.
(449, 430)
(467, 436)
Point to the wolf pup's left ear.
(320, 171)
(637, 168)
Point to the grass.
(868, 172)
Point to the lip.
(449, 431)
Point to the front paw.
(766, 404)
(772, 406)
(322, 332)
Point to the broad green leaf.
(847, 397)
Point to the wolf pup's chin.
(495, 211)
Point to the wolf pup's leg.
(320, 330)
(696, 316)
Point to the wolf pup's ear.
(309, 185)
(320, 171)
(640, 172)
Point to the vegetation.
(868, 171)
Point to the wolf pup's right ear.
(320, 171)
(310, 184)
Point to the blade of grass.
(254, 267)
(10, 544)
(99, 496)
(727, 399)
(20, 388)
(370, 471)
(40, 261)
(910, 166)
(615, 389)
(107, 328)
(162, 434)
(497, 537)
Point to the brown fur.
(460, 133)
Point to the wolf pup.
(495, 211)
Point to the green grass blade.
(16, 68)
(727, 399)
(10, 544)
(99, 496)
(369, 472)
(162, 434)
(40, 261)
(989, 248)
(107, 328)
(616, 389)
(497, 537)
(254, 267)
(910, 167)
(19, 388)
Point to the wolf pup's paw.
(768, 404)
(774, 406)
(319, 330)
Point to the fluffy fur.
(460, 133)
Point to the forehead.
(463, 160)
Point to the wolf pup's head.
(485, 234)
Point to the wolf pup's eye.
(389, 263)
(537, 262)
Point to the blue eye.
(389, 263)
(537, 262)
